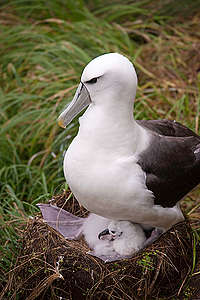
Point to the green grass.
(44, 46)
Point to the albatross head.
(117, 230)
(109, 77)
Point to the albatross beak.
(104, 235)
(80, 101)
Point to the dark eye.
(93, 80)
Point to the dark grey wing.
(167, 128)
(64, 222)
(172, 167)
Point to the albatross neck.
(111, 128)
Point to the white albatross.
(120, 168)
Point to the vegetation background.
(44, 46)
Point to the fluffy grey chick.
(127, 237)
(120, 240)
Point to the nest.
(50, 267)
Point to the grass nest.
(50, 267)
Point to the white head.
(108, 78)
(114, 75)
(121, 229)
(118, 230)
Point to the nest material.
(50, 267)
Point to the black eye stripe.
(93, 80)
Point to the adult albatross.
(120, 168)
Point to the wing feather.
(171, 162)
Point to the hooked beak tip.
(61, 123)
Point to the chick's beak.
(102, 235)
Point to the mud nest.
(50, 267)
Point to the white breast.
(107, 183)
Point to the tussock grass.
(43, 49)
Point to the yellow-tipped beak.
(80, 101)
(61, 123)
